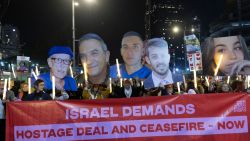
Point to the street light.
(176, 29)
(73, 32)
(192, 29)
(90, 1)
(74, 3)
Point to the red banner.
(217, 117)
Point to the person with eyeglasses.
(59, 61)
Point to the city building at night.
(166, 19)
(234, 21)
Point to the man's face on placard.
(59, 65)
(132, 50)
(158, 58)
(96, 58)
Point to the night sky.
(45, 23)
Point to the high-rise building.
(9, 41)
(234, 21)
(164, 18)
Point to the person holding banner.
(94, 53)
(10, 95)
(59, 62)
(23, 91)
(235, 60)
(126, 91)
(158, 57)
(132, 53)
(96, 91)
(39, 93)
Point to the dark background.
(45, 23)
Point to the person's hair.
(94, 36)
(221, 85)
(208, 50)
(190, 85)
(238, 86)
(37, 82)
(200, 89)
(155, 42)
(21, 87)
(132, 33)
(22, 84)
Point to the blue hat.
(60, 50)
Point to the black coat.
(38, 96)
(119, 92)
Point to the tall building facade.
(165, 19)
(234, 21)
(9, 41)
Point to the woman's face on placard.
(232, 52)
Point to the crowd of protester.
(125, 89)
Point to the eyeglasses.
(59, 60)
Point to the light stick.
(33, 73)
(37, 71)
(178, 87)
(228, 79)
(110, 85)
(85, 72)
(118, 68)
(13, 71)
(9, 83)
(248, 79)
(184, 81)
(195, 79)
(5, 89)
(218, 66)
(71, 71)
(120, 82)
(29, 85)
(207, 81)
(53, 87)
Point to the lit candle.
(53, 87)
(29, 85)
(5, 89)
(228, 79)
(218, 66)
(85, 72)
(178, 87)
(118, 68)
(71, 71)
(110, 85)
